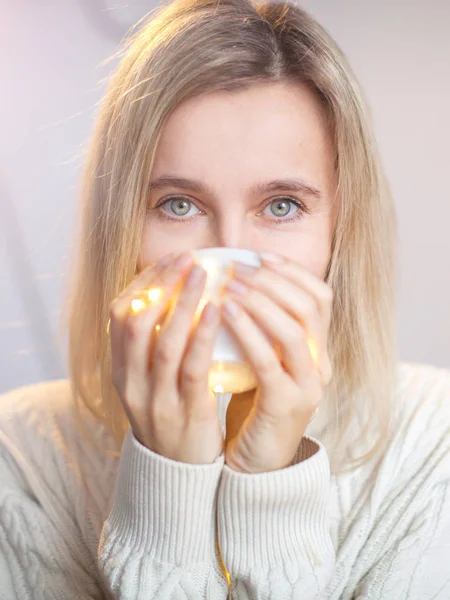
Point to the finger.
(174, 334)
(120, 308)
(198, 358)
(300, 275)
(140, 285)
(293, 299)
(285, 330)
(139, 326)
(255, 344)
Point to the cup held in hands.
(230, 370)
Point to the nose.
(231, 232)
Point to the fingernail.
(243, 269)
(236, 287)
(230, 308)
(166, 260)
(196, 275)
(183, 261)
(210, 313)
(271, 258)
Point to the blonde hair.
(192, 47)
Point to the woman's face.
(223, 145)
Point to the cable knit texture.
(79, 524)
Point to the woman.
(118, 482)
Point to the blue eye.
(181, 203)
(177, 203)
(286, 202)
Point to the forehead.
(275, 129)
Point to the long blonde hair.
(192, 47)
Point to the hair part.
(189, 48)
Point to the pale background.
(51, 78)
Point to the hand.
(162, 380)
(293, 308)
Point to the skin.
(229, 142)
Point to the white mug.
(230, 370)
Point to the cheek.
(311, 254)
(311, 247)
(156, 244)
(317, 264)
(317, 251)
(152, 249)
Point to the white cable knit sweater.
(77, 524)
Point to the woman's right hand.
(162, 380)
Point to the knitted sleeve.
(273, 529)
(159, 540)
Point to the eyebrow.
(293, 184)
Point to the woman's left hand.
(293, 307)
